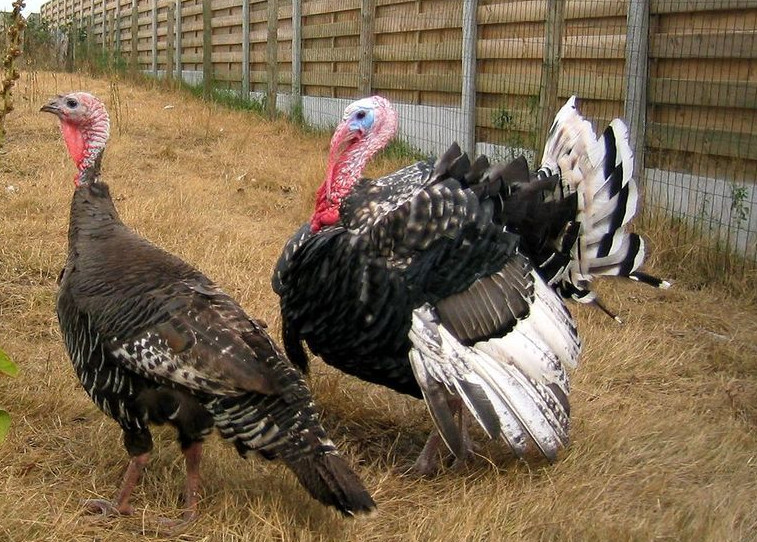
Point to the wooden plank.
(329, 6)
(657, 7)
(207, 48)
(271, 54)
(330, 79)
(706, 142)
(227, 4)
(365, 66)
(495, 83)
(737, 94)
(536, 11)
(635, 107)
(510, 48)
(550, 72)
(578, 47)
(702, 45)
(446, 50)
(711, 22)
(706, 118)
(338, 54)
(602, 87)
(345, 28)
(420, 23)
(606, 87)
(227, 21)
(429, 82)
(191, 11)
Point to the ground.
(664, 407)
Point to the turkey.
(152, 340)
(442, 280)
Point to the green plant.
(9, 368)
(40, 48)
(739, 207)
(297, 115)
(501, 118)
(226, 97)
(10, 73)
(399, 149)
(517, 137)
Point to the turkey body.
(371, 275)
(139, 326)
(441, 280)
(152, 340)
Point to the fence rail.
(684, 72)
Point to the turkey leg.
(427, 462)
(192, 456)
(120, 506)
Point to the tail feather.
(330, 480)
(286, 426)
(514, 385)
(599, 173)
(649, 279)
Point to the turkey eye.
(71, 103)
(360, 115)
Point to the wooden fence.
(693, 80)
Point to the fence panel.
(684, 73)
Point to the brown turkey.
(441, 280)
(153, 340)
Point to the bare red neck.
(353, 144)
(341, 174)
(85, 146)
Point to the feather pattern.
(513, 382)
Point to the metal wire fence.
(487, 73)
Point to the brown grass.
(664, 407)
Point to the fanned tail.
(285, 426)
(514, 385)
(598, 173)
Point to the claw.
(106, 508)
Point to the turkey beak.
(53, 106)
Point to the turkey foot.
(192, 455)
(120, 505)
(105, 508)
(470, 448)
(427, 463)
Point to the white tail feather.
(518, 379)
(600, 172)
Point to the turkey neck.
(342, 173)
(93, 214)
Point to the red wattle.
(74, 139)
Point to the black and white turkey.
(153, 340)
(441, 280)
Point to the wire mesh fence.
(489, 74)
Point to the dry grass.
(664, 407)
